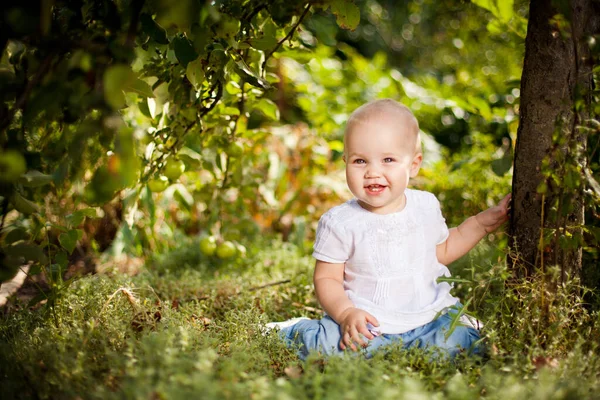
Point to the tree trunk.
(557, 72)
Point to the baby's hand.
(353, 325)
(493, 217)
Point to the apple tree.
(105, 103)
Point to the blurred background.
(132, 129)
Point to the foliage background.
(259, 132)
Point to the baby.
(380, 254)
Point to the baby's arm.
(464, 237)
(329, 287)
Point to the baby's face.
(381, 155)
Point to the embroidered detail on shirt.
(381, 292)
(397, 245)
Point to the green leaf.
(501, 9)
(140, 87)
(485, 4)
(201, 36)
(15, 235)
(452, 280)
(61, 258)
(190, 157)
(184, 50)
(455, 321)
(495, 27)
(195, 73)
(35, 178)
(153, 29)
(505, 9)
(57, 227)
(102, 187)
(78, 216)
(268, 108)
(264, 43)
(347, 14)
(502, 165)
(143, 107)
(128, 162)
(268, 40)
(482, 106)
(234, 111)
(336, 145)
(116, 79)
(148, 203)
(302, 56)
(250, 76)
(68, 240)
(26, 250)
(219, 160)
(542, 188)
(458, 164)
(23, 205)
(183, 196)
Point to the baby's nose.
(372, 172)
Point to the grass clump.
(191, 328)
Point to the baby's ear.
(416, 164)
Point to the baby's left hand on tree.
(493, 217)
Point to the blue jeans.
(324, 336)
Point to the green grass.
(192, 329)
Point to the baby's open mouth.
(375, 188)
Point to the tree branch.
(219, 88)
(289, 35)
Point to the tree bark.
(557, 71)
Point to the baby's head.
(386, 111)
(382, 151)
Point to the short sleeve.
(442, 228)
(332, 243)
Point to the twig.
(289, 35)
(269, 285)
(307, 308)
(248, 17)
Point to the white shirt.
(391, 267)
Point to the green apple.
(227, 27)
(171, 142)
(189, 113)
(158, 184)
(241, 250)
(226, 250)
(12, 166)
(174, 169)
(235, 149)
(208, 245)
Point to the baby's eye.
(359, 161)
(388, 160)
